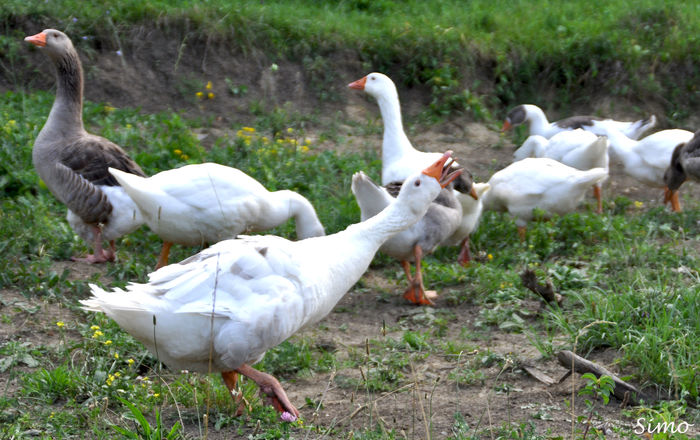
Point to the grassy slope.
(520, 48)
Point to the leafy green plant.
(52, 385)
(144, 430)
(601, 387)
(297, 357)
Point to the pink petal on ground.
(288, 417)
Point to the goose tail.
(638, 128)
(371, 198)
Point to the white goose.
(541, 183)
(73, 163)
(580, 149)
(220, 310)
(440, 221)
(399, 158)
(206, 203)
(538, 123)
(685, 164)
(647, 159)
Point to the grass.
(633, 266)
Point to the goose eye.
(416, 183)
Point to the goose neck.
(395, 142)
(67, 109)
(537, 120)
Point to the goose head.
(516, 116)
(419, 190)
(54, 43)
(521, 114)
(376, 85)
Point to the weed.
(144, 430)
(51, 385)
(601, 387)
(297, 358)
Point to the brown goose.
(73, 163)
(685, 164)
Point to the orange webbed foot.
(415, 295)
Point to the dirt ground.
(427, 398)
(424, 396)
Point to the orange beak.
(440, 170)
(37, 40)
(506, 126)
(359, 84)
(473, 193)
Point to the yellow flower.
(130, 361)
(490, 257)
(97, 334)
(265, 140)
(95, 327)
(208, 87)
(129, 126)
(199, 95)
(304, 148)
(60, 324)
(108, 342)
(109, 108)
(156, 395)
(177, 152)
(307, 141)
(290, 130)
(638, 204)
(249, 129)
(184, 157)
(210, 95)
(117, 374)
(116, 355)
